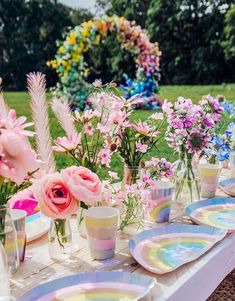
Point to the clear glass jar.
(4, 276)
(131, 174)
(60, 239)
(8, 238)
(186, 180)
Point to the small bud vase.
(60, 239)
(186, 180)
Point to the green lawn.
(20, 101)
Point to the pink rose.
(83, 184)
(54, 196)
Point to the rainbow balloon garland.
(72, 68)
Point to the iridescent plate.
(98, 286)
(228, 186)
(216, 212)
(162, 250)
(36, 226)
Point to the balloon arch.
(72, 68)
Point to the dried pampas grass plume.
(62, 111)
(37, 90)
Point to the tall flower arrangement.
(189, 131)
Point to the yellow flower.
(72, 38)
(97, 40)
(62, 49)
(86, 71)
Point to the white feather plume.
(62, 112)
(37, 90)
(3, 107)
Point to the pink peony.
(54, 196)
(17, 158)
(84, 185)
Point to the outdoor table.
(194, 281)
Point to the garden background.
(196, 37)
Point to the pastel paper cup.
(101, 226)
(19, 219)
(232, 164)
(160, 205)
(209, 175)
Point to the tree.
(28, 34)
(190, 34)
(229, 35)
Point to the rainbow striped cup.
(160, 205)
(101, 227)
(209, 175)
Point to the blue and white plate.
(110, 286)
(162, 250)
(216, 212)
(228, 186)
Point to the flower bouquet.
(59, 196)
(189, 131)
(18, 161)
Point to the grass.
(20, 102)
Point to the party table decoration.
(155, 177)
(18, 163)
(93, 286)
(59, 196)
(189, 131)
(162, 250)
(209, 175)
(228, 186)
(216, 212)
(72, 67)
(101, 226)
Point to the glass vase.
(8, 238)
(60, 239)
(80, 222)
(4, 276)
(131, 175)
(132, 216)
(187, 182)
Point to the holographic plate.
(98, 286)
(228, 186)
(36, 226)
(162, 250)
(216, 212)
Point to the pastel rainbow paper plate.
(216, 212)
(228, 186)
(36, 226)
(162, 250)
(98, 286)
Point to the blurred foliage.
(229, 32)
(28, 32)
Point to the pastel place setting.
(215, 212)
(101, 225)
